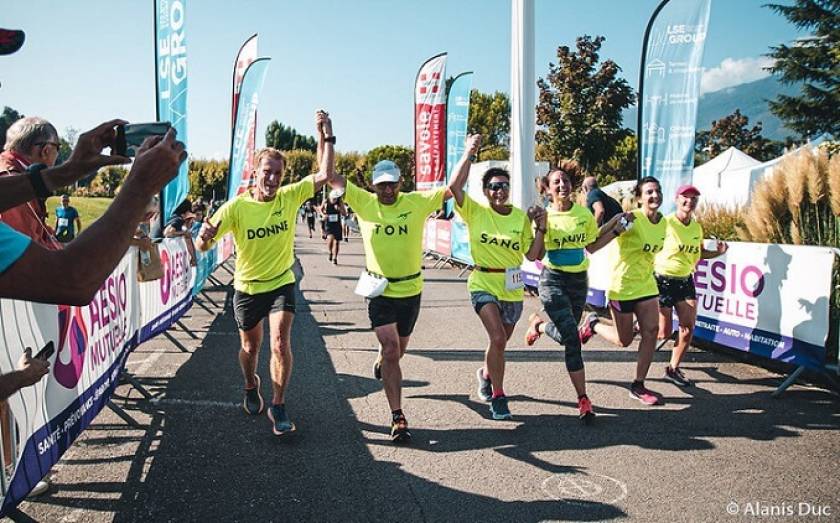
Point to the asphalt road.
(723, 450)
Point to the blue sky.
(90, 60)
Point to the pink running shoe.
(586, 332)
(643, 394)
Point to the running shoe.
(586, 332)
(643, 394)
(330, 256)
(485, 389)
(335, 261)
(533, 332)
(499, 408)
(676, 377)
(253, 402)
(399, 430)
(377, 368)
(585, 408)
(280, 422)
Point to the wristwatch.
(330, 139)
(37, 181)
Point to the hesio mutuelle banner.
(430, 123)
(171, 85)
(243, 129)
(669, 87)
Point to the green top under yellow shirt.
(393, 234)
(682, 249)
(264, 234)
(572, 229)
(497, 241)
(632, 276)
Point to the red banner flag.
(430, 124)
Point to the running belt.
(488, 269)
(395, 280)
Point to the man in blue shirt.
(67, 222)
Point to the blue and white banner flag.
(457, 116)
(669, 88)
(171, 84)
(246, 121)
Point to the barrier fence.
(92, 343)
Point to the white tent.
(726, 179)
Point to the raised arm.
(326, 149)
(537, 249)
(462, 168)
(73, 275)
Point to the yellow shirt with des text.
(632, 276)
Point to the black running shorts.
(402, 311)
(673, 290)
(249, 309)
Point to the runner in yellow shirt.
(674, 268)
(571, 230)
(633, 289)
(262, 221)
(500, 236)
(392, 224)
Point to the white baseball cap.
(385, 171)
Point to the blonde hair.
(269, 152)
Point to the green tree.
(814, 61)
(8, 117)
(347, 164)
(208, 179)
(490, 117)
(299, 164)
(107, 180)
(622, 164)
(401, 155)
(580, 105)
(286, 138)
(734, 131)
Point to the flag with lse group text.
(171, 85)
(669, 83)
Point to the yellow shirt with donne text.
(264, 234)
(393, 234)
(682, 249)
(632, 276)
(497, 241)
(572, 229)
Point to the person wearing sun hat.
(392, 224)
(674, 272)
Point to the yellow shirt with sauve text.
(264, 234)
(497, 241)
(632, 276)
(393, 234)
(682, 249)
(572, 229)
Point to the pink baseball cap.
(687, 188)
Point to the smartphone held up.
(131, 136)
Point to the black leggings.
(563, 295)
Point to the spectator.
(30, 272)
(29, 141)
(602, 205)
(67, 222)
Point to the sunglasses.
(498, 186)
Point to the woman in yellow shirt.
(500, 236)
(633, 289)
(571, 229)
(674, 268)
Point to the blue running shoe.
(499, 408)
(253, 402)
(280, 422)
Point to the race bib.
(63, 222)
(513, 279)
(332, 218)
